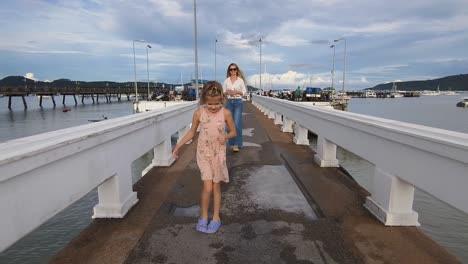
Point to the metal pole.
(333, 68)
(134, 66)
(147, 68)
(260, 40)
(196, 47)
(344, 70)
(216, 41)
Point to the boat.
(463, 103)
(98, 120)
(448, 93)
(430, 92)
(395, 93)
(370, 94)
(341, 96)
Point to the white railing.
(404, 155)
(43, 174)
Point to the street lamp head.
(149, 46)
(139, 40)
(332, 46)
(336, 40)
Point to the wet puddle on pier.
(269, 187)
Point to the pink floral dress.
(211, 154)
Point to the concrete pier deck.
(280, 207)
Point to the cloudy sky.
(92, 40)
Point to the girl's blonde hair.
(240, 74)
(212, 89)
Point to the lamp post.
(260, 41)
(333, 67)
(196, 48)
(147, 68)
(344, 68)
(134, 66)
(216, 42)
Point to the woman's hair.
(211, 89)
(240, 74)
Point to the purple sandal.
(202, 225)
(213, 227)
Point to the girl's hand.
(222, 139)
(174, 152)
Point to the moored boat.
(463, 103)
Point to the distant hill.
(453, 83)
(19, 82)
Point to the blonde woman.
(234, 89)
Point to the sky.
(92, 40)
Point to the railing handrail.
(21, 148)
(76, 160)
(456, 140)
(421, 156)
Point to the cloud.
(30, 76)
(89, 39)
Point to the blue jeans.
(236, 107)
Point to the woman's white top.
(238, 85)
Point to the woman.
(234, 88)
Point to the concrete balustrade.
(43, 174)
(405, 156)
(287, 126)
(278, 119)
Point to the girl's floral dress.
(211, 154)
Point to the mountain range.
(454, 83)
(448, 83)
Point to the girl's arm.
(189, 135)
(230, 122)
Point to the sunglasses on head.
(233, 69)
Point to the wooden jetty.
(93, 93)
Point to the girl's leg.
(205, 198)
(216, 200)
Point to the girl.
(234, 88)
(211, 150)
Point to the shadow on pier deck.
(280, 207)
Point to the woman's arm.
(225, 87)
(189, 135)
(230, 122)
(243, 90)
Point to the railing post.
(163, 154)
(326, 153)
(392, 200)
(278, 119)
(287, 126)
(182, 133)
(300, 135)
(271, 114)
(116, 195)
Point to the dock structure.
(285, 202)
(93, 93)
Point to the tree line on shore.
(453, 83)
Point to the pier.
(93, 93)
(286, 203)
